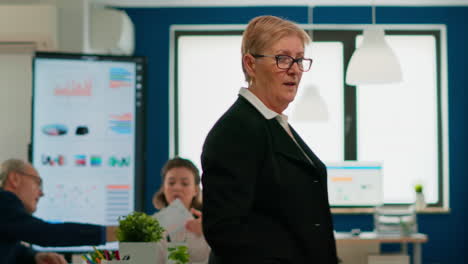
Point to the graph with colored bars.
(119, 78)
(118, 202)
(121, 124)
(74, 88)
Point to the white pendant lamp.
(374, 62)
(311, 106)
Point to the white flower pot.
(142, 252)
(420, 202)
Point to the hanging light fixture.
(311, 107)
(374, 62)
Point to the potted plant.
(139, 235)
(420, 202)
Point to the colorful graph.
(119, 161)
(95, 161)
(55, 130)
(117, 202)
(74, 88)
(120, 77)
(58, 160)
(121, 124)
(80, 160)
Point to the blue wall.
(447, 232)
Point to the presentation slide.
(354, 183)
(84, 140)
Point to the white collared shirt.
(270, 114)
(265, 111)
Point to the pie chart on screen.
(55, 130)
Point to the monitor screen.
(88, 136)
(354, 183)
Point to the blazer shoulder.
(242, 112)
(241, 122)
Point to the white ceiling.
(226, 3)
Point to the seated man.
(20, 190)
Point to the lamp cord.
(310, 20)
(373, 12)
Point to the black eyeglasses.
(35, 178)
(285, 62)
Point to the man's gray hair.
(11, 165)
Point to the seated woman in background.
(181, 180)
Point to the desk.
(371, 238)
(78, 249)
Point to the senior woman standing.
(264, 191)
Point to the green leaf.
(418, 188)
(179, 254)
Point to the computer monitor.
(88, 136)
(354, 183)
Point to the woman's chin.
(289, 99)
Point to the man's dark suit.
(17, 225)
(264, 202)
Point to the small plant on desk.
(418, 188)
(139, 238)
(139, 227)
(179, 254)
(420, 202)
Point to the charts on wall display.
(87, 138)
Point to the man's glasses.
(35, 178)
(285, 62)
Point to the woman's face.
(180, 184)
(274, 86)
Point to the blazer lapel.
(285, 145)
(317, 162)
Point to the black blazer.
(17, 225)
(264, 202)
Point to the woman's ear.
(249, 64)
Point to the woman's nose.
(177, 186)
(294, 68)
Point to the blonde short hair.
(264, 31)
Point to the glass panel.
(209, 77)
(397, 123)
(317, 111)
(322, 88)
